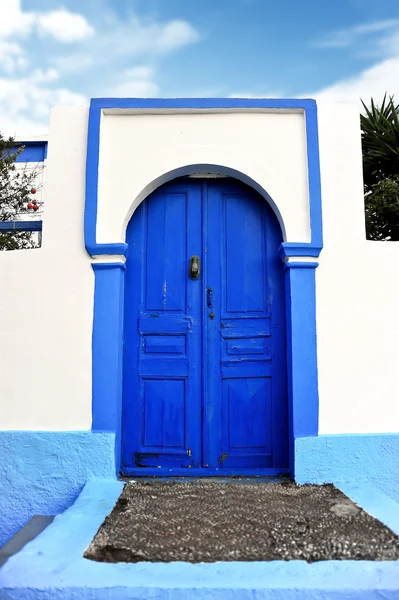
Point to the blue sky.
(63, 53)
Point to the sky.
(64, 53)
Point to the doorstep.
(52, 565)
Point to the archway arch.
(205, 169)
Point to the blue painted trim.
(288, 249)
(300, 265)
(206, 472)
(32, 152)
(93, 149)
(314, 179)
(90, 216)
(300, 292)
(21, 226)
(374, 502)
(203, 103)
(301, 352)
(107, 346)
(108, 265)
(107, 350)
(46, 568)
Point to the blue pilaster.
(301, 351)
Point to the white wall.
(46, 299)
(357, 293)
(137, 150)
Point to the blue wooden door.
(204, 356)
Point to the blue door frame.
(299, 263)
(205, 377)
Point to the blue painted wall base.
(352, 458)
(44, 472)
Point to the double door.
(204, 339)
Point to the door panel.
(247, 415)
(239, 273)
(204, 359)
(162, 386)
(164, 413)
(166, 252)
(243, 281)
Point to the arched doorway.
(204, 334)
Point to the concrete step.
(29, 532)
(52, 566)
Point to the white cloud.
(375, 26)
(61, 24)
(44, 76)
(345, 38)
(13, 20)
(73, 62)
(174, 35)
(104, 51)
(131, 39)
(255, 95)
(374, 82)
(135, 88)
(137, 82)
(16, 27)
(11, 56)
(143, 72)
(388, 45)
(137, 37)
(64, 26)
(25, 102)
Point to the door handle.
(209, 297)
(194, 267)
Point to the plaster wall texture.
(355, 458)
(138, 152)
(43, 472)
(356, 293)
(46, 300)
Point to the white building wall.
(46, 300)
(357, 292)
(137, 150)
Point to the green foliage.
(15, 186)
(382, 210)
(380, 146)
(20, 240)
